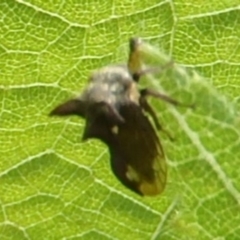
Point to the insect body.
(115, 112)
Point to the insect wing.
(137, 157)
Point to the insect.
(117, 113)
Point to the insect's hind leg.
(145, 105)
(150, 92)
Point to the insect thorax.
(113, 85)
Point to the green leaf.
(53, 186)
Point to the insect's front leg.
(102, 120)
(151, 70)
(109, 112)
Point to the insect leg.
(150, 92)
(145, 105)
(110, 112)
(151, 70)
(101, 118)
